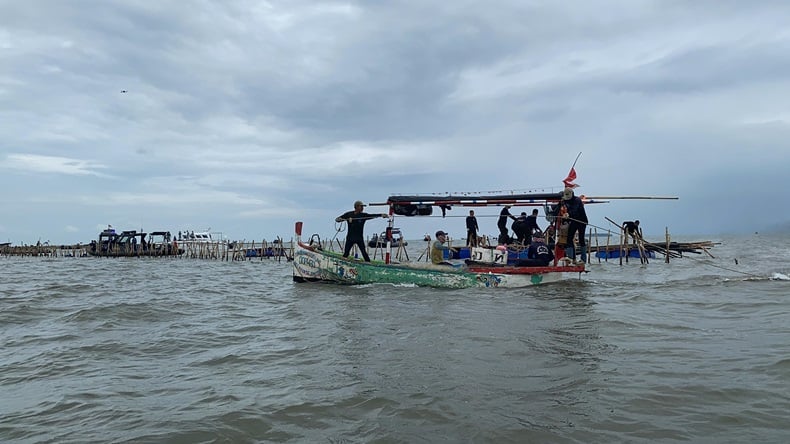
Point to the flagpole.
(577, 159)
(568, 182)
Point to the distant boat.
(133, 243)
(197, 236)
(380, 240)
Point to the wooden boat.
(133, 243)
(485, 267)
(380, 240)
(312, 264)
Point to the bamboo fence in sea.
(228, 251)
(627, 242)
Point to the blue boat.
(632, 252)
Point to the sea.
(161, 350)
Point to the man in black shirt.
(356, 225)
(471, 229)
(578, 222)
(539, 252)
(633, 229)
(532, 223)
(520, 229)
(502, 222)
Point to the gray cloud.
(246, 115)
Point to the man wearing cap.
(356, 227)
(538, 254)
(577, 217)
(438, 248)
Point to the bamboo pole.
(640, 244)
(666, 235)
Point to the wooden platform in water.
(674, 249)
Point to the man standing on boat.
(532, 223)
(577, 218)
(471, 229)
(520, 229)
(504, 237)
(356, 226)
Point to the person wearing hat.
(356, 226)
(538, 254)
(577, 218)
(438, 248)
(502, 223)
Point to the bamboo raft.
(675, 249)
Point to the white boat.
(199, 236)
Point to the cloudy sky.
(245, 116)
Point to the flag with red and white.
(568, 181)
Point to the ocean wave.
(752, 278)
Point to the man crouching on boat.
(356, 227)
(438, 248)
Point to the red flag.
(569, 180)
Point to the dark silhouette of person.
(577, 217)
(520, 229)
(356, 225)
(471, 229)
(502, 223)
(532, 223)
(633, 229)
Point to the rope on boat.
(339, 228)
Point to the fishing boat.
(380, 240)
(133, 243)
(485, 266)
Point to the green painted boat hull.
(315, 265)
